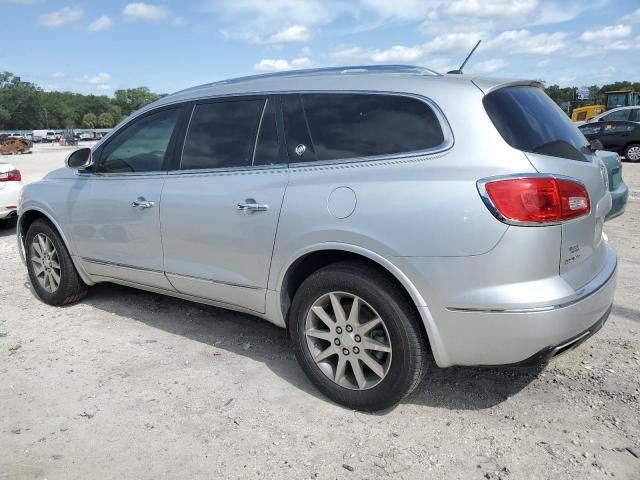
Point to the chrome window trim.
(482, 190)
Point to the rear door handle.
(141, 202)
(250, 206)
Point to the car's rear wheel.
(632, 152)
(51, 271)
(357, 336)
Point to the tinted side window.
(142, 146)
(530, 121)
(619, 115)
(590, 129)
(345, 125)
(611, 128)
(267, 148)
(635, 115)
(222, 134)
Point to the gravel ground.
(128, 384)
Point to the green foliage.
(25, 106)
(105, 120)
(90, 120)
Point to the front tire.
(357, 336)
(632, 152)
(51, 271)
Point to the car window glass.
(299, 143)
(635, 115)
(345, 125)
(617, 128)
(590, 129)
(618, 115)
(267, 148)
(222, 134)
(530, 121)
(142, 146)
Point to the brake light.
(537, 200)
(10, 176)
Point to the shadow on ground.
(453, 388)
(7, 228)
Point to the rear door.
(530, 121)
(221, 205)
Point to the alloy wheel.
(633, 153)
(45, 262)
(348, 340)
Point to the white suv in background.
(10, 187)
(631, 114)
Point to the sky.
(100, 46)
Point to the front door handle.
(250, 206)
(141, 202)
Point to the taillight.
(10, 176)
(535, 200)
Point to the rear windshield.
(530, 121)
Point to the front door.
(113, 210)
(220, 208)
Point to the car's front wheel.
(632, 152)
(357, 336)
(51, 271)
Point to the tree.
(23, 101)
(132, 99)
(90, 120)
(105, 120)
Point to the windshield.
(530, 121)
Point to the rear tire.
(632, 152)
(51, 271)
(352, 362)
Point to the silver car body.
(488, 293)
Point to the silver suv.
(383, 215)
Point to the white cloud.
(524, 42)
(403, 9)
(606, 34)
(279, 64)
(100, 24)
(294, 33)
(493, 8)
(56, 75)
(100, 82)
(453, 42)
(145, 11)
(634, 16)
(61, 17)
(486, 67)
(397, 53)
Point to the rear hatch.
(530, 121)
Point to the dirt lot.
(127, 384)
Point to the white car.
(631, 114)
(10, 187)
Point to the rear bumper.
(619, 197)
(523, 335)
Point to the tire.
(632, 152)
(70, 288)
(399, 370)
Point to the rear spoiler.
(487, 85)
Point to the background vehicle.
(14, 145)
(631, 114)
(620, 137)
(397, 236)
(612, 100)
(10, 187)
(618, 189)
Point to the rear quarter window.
(530, 121)
(352, 125)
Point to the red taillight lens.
(538, 199)
(11, 176)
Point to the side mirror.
(596, 145)
(79, 159)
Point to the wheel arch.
(26, 219)
(309, 260)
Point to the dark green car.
(617, 187)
